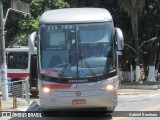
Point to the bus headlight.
(46, 90)
(110, 87)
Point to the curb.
(143, 87)
(132, 93)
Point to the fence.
(19, 90)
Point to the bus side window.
(18, 60)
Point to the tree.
(150, 27)
(18, 28)
(134, 9)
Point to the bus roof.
(25, 49)
(75, 15)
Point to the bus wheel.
(34, 93)
(110, 109)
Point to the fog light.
(110, 87)
(114, 98)
(46, 90)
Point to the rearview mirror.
(31, 43)
(119, 38)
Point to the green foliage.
(150, 22)
(20, 26)
(17, 28)
(32, 24)
(132, 5)
(40, 6)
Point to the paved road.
(140, 101)
(143, 103)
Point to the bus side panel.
(33, 75)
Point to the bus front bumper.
(94, 99)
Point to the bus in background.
(22, 64)
(77, 59)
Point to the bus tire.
(110, 109)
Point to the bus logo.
(78, 81)
(78, 93)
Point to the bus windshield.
(76, 50)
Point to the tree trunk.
(151, 74)
(134, 20)
(152, 61)
(138, 77)
(157, 62)
(131, 73)
(126, 76)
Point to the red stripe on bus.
(18, 75)
(58, 86)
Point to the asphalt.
(7, 105)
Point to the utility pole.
(3, 56)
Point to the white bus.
(21, 64)
(77, 59)
(17, 63)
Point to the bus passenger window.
(17, 60)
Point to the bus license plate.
(78, 101)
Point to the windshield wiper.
(64, 69)
(82, 57)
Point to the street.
(128, 105)
(139, 102)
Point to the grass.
(137, 83)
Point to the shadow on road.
(66, 115)
(73, 117)
(63, 115)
